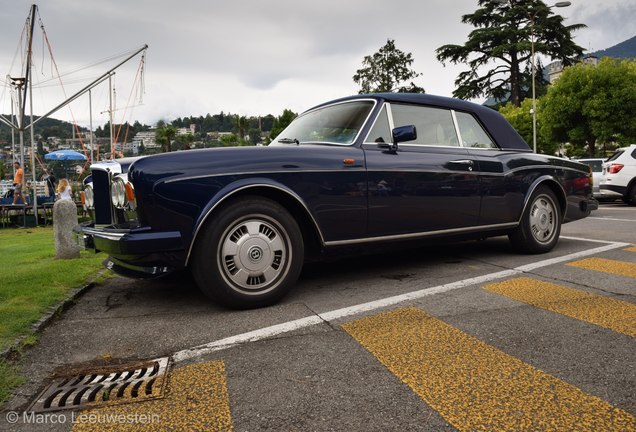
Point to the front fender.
(243, 186)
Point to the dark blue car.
(361, 170)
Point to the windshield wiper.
(289, 141)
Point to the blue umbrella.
(63, 155)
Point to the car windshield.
(334, 124)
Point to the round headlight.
(118, 193)
(89, 197)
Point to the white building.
(147, 139)
(555, 69)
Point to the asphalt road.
(466, 336)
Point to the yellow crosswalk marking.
(602, 311)
(475, 386)
(620, 268)
(196, 399)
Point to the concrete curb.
(13, 351)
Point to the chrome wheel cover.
(543, 219)
(254, 255)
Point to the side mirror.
(404, 133)
(399, 134)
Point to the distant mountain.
(46, 128)
(625, 49)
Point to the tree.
(229, 140)
(387, 71)
(281, 123)
(503, 39)
(521, 119)
(183, 142)
(254, 135)
(592, 104)
(241, 125)
(164, 135)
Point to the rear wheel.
(250, 255)
(631, 196)
(540, 225)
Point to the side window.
(380, 132)
(434, 125)
(473, 135)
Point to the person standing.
(64, 189)
(51, 184)
(18, 183)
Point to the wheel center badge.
(255, 254)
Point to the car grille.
(101, 190)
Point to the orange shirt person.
(18, 183)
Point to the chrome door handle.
(468, 162)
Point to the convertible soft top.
(503, 133)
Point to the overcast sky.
(245, 57)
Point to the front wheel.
(249, 255)
(540, 225)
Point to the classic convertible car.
(361, 170)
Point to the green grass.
(9, 379)
(31, 282)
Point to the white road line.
(268, 332)
(612, 219)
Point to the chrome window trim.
(497, 146)
(457, 131)
(389, 114)
(453, 112)
(430, 146)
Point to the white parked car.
(619, 174)
(596, 165)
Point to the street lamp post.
(534, 73)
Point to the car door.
(427, 185)
(500, 173)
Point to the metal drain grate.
(136, 382)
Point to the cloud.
(250, 57)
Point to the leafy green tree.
(387, 71)
(242, 125)
(282, 122)
(592, 104)
(164, 135)
(502, 40)
(229, 140)
(521, 119)
(254, 136)
(266, 123)
(183, 142)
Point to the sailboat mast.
(30, 91)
